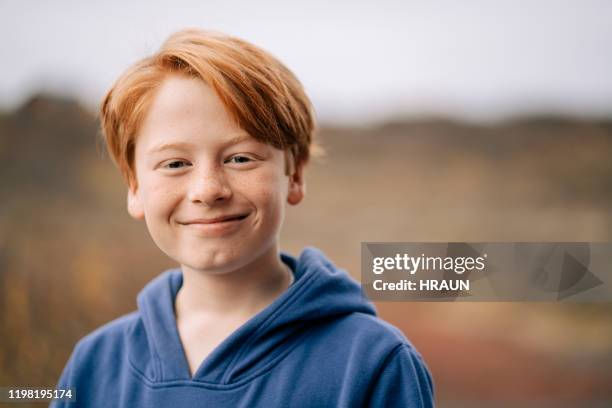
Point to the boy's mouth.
(217, 226)
(217, 220)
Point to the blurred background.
(442, 121)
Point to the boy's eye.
(239, 159)
(176, 164)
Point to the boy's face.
(212, 196)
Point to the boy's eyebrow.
(239, 138)
(177, 145)
(169, 145)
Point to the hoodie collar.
(319, 291)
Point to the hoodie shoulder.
(110, 332)
(374, 326)
(101, 350)
(372, 333)
(100, 347)
(395, 361)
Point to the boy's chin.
(226, 256)
(217, 263)
(206, 266)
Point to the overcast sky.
(480, 59)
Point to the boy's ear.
(134, 203)
(297, 186)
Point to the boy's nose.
(209, 188)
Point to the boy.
(211, 134)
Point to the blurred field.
(71, 259)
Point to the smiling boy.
(212, 134)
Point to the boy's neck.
(242, 292)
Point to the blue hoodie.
(319, 344)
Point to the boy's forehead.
(187, 110)
(180, 98)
